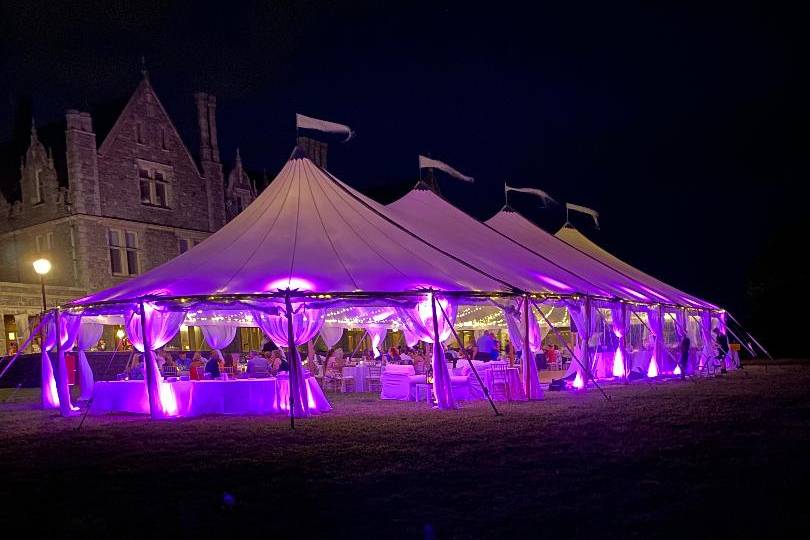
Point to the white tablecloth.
(195, 398)
(515, 383)
(360, 373)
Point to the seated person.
(257, 364)
(168, 362)
(229, 363)
(395, 358)
(197, 362)
(182, 361)
(283, 365)
(212, 367)
(136, 369)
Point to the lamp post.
(42, 267)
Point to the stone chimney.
(82, 163)
(209, 159)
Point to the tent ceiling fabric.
(307, 231)
(449, 228)
(579, 241)
(594, 269)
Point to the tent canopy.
(307, 231)
(445, 226)
(648, 283)
(637, 287)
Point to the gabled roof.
(579, 241)
(449, 228)
(310, 231)
(583, 264)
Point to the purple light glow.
(579, 384)
(553, 282)
(634, 293)
(618, 363)
(657, 295)
(652, 370)
(291, 283)
(677, 370)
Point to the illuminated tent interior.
(311, 253)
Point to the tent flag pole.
(293, 373)
(573, 354)
(469, 361)
(753, 339)
(527, 353)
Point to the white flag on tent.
(577, 208)
(305, 122)
(427, 163)
(547, 199)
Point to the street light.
(42, 267)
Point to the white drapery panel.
(620, 326)
(706, 333)
(89, 334)
(377, 336)
(218, 337)
(419, 321)
(331, 335)
(578, 311)
(514, 316)
(411, 339)
(306, 325)
(68, 331)
(161, 327)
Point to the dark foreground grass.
(726, 457)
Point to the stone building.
(108, 199)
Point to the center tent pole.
(469, 361)
(154, 399)
(293, 377)
(527, 353)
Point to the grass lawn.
(726, 456)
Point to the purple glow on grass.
(634, 293)
(553, 282)
(618, 363)
(652, 370)
(579, 384)
(291, 283)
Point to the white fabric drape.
(161, 326)
(22, 327)
(706, 333)
(331, 335)
(55, 389)
(307, 323)
(578, 311)
(377, 336)
(516, 327)
(89, 334)
(411, 339)
(218, 337)
(620, 327)
(419, 321)
(656, 320)
(50, 396)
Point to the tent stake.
(469, 361)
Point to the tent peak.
(299, 153)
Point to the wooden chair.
(499, 377)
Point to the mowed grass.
(723, 457)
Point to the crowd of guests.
(198, 366)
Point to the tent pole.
(469, 361)
(147, 362)
(293, 374)
(527, 353)
(573, 354)
(360, 342)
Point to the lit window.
(123, 246)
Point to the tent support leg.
(469, 361)
(293, 374)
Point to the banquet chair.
(373, 379)
(346, 381)
(499, 377)
(229, 371)
(170, 371)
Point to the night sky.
(683, 126)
